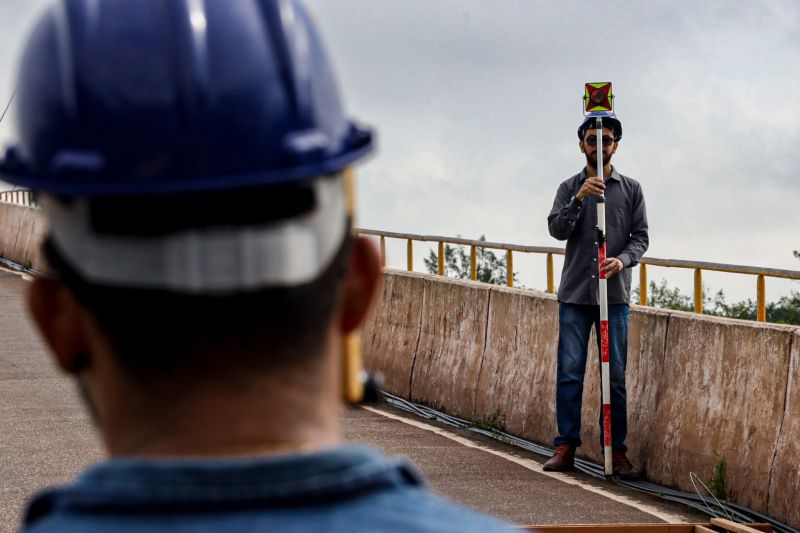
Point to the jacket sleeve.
(564, 215)
(639, 239)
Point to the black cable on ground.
(694, 501)
(16, 267)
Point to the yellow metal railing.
(18, 197)
(698, 266)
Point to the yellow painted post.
(698, 290)
(473, 262)
(410, 256)
(383, 251)
(509, 268)
(642, 284)
(550, 278)
(761, 299)
(441, 258)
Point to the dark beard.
(592, 161)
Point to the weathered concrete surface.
(785, 476)
(22, 229)
(495, 485)
(392, 334)
(45, 436)
(647, 330)
(518, 373)
(722, 393)
(450, 348)
(698, 387)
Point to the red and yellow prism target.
(598, 97)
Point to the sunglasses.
(607, 141)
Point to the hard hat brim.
(101, 185)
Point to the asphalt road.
(46, 439)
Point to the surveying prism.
(598, 98)
(599, 102)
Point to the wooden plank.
(613, 528)
(652, 528)
(736, 527)
(704, 529)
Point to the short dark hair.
(159, 332)
(611, 123)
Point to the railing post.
(410, 256)
(761, 299)
(509, 268)
(551, 284)
(473, 263)
(642, 284)
(698, 290)
(441, 258)
(383, 251)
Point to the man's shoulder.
(415, 510)
(624, 178)
(572, 180)
(346, 489)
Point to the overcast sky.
(476, 104)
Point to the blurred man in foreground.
(192, 159)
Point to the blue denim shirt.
(345, 489)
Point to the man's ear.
(580, 145)
(360, 284)
(62, 321)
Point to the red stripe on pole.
(601, 253)
(606, 424)
(604, 355)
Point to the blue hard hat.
(157, 96)
(610, 120)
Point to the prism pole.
(605, 372)
(599, 102)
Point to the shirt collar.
(614, 174)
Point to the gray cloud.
(477, 101)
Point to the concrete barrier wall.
(699, 388)
(21, 231)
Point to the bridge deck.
(45, 439)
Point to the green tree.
(491, 268)
(661, 295)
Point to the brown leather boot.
(623, 468)
(563, 459)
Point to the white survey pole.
(605, 359)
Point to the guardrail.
(698, 266)
(19, 197)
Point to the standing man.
(574, 219)
(193, 162)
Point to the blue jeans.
(575, 324)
